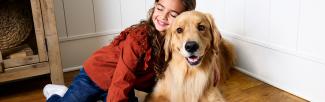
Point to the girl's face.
(165, 12)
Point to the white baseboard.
(274, 47)
(89, 35)
(69, 69)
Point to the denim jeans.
(83, 89)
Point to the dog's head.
(192, 34)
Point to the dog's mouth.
(193, 60)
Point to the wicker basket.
(16, 23)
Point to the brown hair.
(157, 41)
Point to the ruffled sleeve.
(134, 47)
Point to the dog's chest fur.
(183, 83)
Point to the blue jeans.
(83, 89)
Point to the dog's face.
(192, 35)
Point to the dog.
(197, 58)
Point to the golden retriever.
(197, 58)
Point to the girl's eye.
(159, 9)
(173, 14)
(201, 28)
(179, 30)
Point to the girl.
(133, 60)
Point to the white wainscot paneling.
(284, 17)
(107, 16)
(79, 17)
(294, 74)
(234, 16)
(257, 20)
(214, 7)
(149, 5)
(60, 19)
(75, 52)
(311, 36)
(133, 11)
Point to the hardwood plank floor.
(243, 88)
(238, 88)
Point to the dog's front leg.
(159, 94)
(213, 95)
(156, 98)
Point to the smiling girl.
(133, 60)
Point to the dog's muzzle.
(191, 47)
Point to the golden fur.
(184, 82)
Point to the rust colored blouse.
(123, 65)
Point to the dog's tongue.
(193, 58)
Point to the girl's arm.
(124, 77)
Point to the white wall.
(277, 41)
(86, 25)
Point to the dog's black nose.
(191, 46)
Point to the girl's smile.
(165, 12)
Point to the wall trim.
(274, 47)
(69, 69)
(277, 85)
(89, 35)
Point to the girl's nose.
(165, 15)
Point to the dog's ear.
(214, 33)
(167, 44)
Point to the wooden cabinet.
(46, 55)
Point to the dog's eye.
(201, 28)
(179, 30)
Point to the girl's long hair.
(156, 40)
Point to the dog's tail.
(228, 59)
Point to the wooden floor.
(239, 88)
